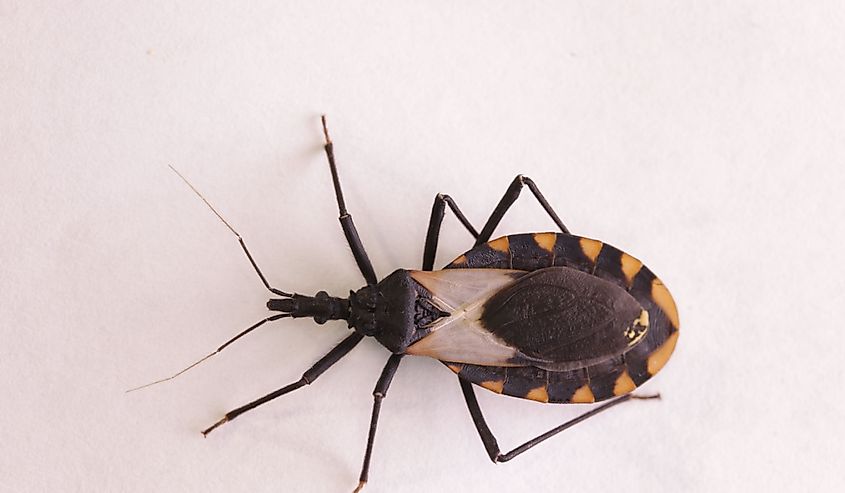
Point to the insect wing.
(565, 318)
(554, 318)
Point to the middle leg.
(511, 194)
(432, 237)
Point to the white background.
(705, 138)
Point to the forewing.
(459, 336)
(555, 318)
(564, 318)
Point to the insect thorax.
(396, 311)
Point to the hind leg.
(492, 446)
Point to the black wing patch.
(564, 318)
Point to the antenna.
(240, 240)
(230, 341)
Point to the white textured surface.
(704, 138)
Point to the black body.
(559, 317)
(556, 318)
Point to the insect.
(551, 317)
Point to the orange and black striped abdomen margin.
(613, 377)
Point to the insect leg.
(379, 393)
(309, 376)
(508, 199)
(345, 217)
(489, 440)
(438, 210)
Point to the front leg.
(326, 362)
(345, 218)
(379, 393)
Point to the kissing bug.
(549, 317)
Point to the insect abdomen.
(584, 385)
(591, 383)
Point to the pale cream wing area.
(460, 337)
